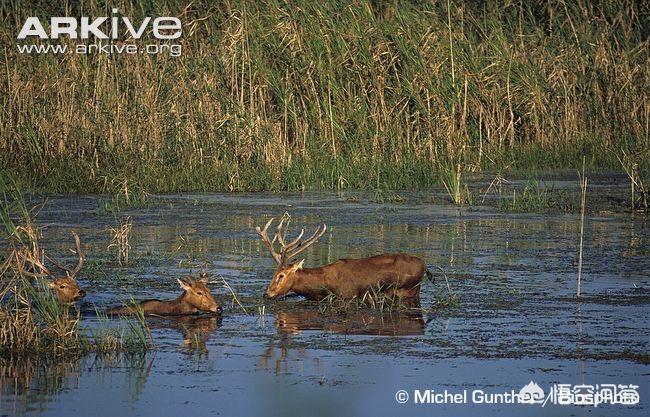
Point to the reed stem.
(583, 201)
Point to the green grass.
(328, 95)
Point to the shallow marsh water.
(516, 320)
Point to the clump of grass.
(457, 190)
(126, 191)
(120, 240)
(532, 197)
(375, 299)
(130, 333)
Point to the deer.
(65, 287)
(195, 298)
(392, 274)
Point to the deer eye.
(199, 293)
(62, 286)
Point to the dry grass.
(120, 240)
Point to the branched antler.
(292, 248)
(33, 258)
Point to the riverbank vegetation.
(32, 319)
(271, 95)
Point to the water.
(517, 319)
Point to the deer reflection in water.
(278, 358)
(195, 330)
(355, 322)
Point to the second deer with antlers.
(393, 274)
(66, 288)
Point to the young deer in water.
(196, 298)
(66, 288)
(393, 274)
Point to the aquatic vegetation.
(37, 318)
(457, 190)
(120, 240)
(631, 163)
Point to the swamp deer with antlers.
(66, 288)
(392, 274)
(195, 299)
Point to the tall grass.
(292, 95)
(32, 320)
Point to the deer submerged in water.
(392, 274)
(195, 299)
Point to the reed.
(32, 319)
(630, 162)
(457, 190)
(271, 95)
(583, 209)
(120, 240)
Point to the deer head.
(198, 295)
(66, 288)
(282, 281)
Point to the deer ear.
(51, 283)
(299, 264)
(183, 284)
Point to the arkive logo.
(116, 34)
(162, 28)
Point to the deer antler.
(46, 271)
(32, 259)
(71, 272)
(294, 247)
(264, 233)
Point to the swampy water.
(515, 342)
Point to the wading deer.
(390, 274)
(66, 288)
(196, 298)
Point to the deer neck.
(312, 283)
(182, 305)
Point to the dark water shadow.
(353, 321)
(195, 331)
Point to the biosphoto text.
(116, 34)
